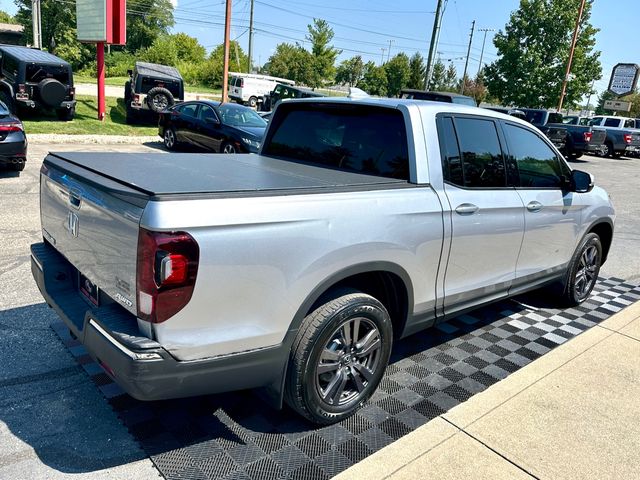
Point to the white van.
(249, 88)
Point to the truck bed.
(161, 175)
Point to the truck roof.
(27, 54)
(157, 71)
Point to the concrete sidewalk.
(573, 413)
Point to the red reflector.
(22, 88)
(587, 136)
(627, 138)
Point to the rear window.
(533, 116)
(148, 83)
(612, 122)
(464, 101)
(36, 73)
(359, 139)
(555, 118)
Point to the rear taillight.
(242, 83)
(587, 136)
(136, 98)
(627, 138)
(166, 273)
(22, 88)
(72, 92)
(11, 127)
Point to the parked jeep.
(151, 89)
(31, 78)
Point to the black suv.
(151, 89)
(31, 78)
(281, 91)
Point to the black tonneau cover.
(158, 175)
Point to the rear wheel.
(583, 271)
(253, 101)
(170, 139)
(228, 148)
(338, 357)
(607, 150)
(66, 114)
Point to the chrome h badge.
(72, 223)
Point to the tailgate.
(93, 222)
(557, 135)
(598, 136)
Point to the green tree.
(290, 61)
(6, 18)
(146, 21)
(398, 72)
(438, 81)
(374, 80)
(323, 54)
(604, 96)
(163, 50)
(417, 69)
(350, 71)
(533, 51)
(58, 28)
(188, 48)
(450, 79)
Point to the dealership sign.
(624, 79)
(617, 105)
(102, 21)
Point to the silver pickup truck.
(294, 270)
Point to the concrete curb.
(46, 138)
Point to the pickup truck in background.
(579, 139)
(294, 270)
(549, 123)
(623, 136)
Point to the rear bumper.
(68, 104)
(142, 367)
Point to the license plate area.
(88, 290)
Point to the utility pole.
(250, 35)
(466, 63)
(382, 59)
(485, 30)
(570, 61)
(225, 64)
(37, 24)
(389, 51)
(432, 45)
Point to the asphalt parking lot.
(54, 422)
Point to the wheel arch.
(604, 230)
(394, 286)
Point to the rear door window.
(189, 109)
(483, 164)
(368, 140)
(612, 122)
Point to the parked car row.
(13, 141)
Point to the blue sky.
(366, 27)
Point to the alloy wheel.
(161, 102)
(587, 271)
(348, 362)
(228, 148)
(169, 138)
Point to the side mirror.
(581, 182)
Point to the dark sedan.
(219, 127)
(13, 141)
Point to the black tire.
(582, 274)
(616, 154)
(127, 92)
(66, 114)
(18, 167)
(607, 150)
(323, 342)
(253, 102)
(170, 139)
(5, 97)
(159, 99)
(229, 148)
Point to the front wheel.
(253, 101)
(583, 271)
(228, 148)
(338, 357)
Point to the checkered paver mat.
(237, 436)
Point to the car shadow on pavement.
(50, 405)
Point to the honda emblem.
(72, 224)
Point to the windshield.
(239, 116)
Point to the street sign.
(624, 78)
(101, 21)
(618, 106)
